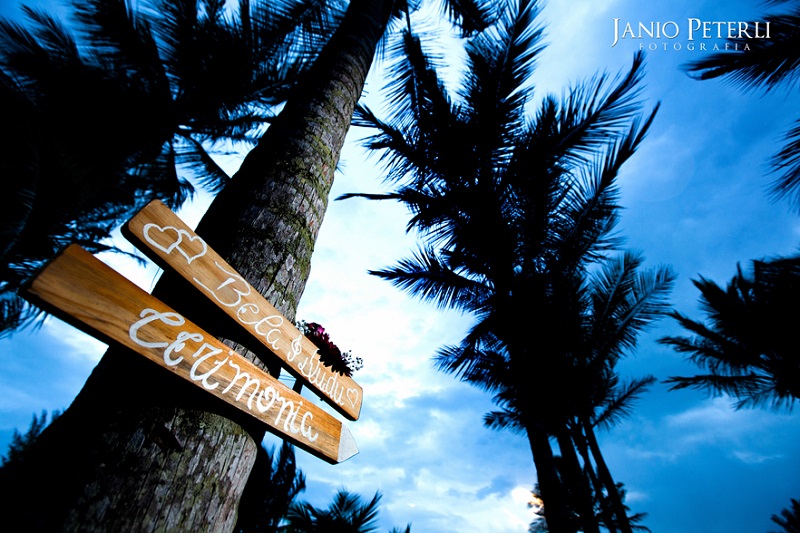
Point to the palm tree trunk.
(556, 508)
(622, 522)
(583, 449)
(165, 457)
(577, 482)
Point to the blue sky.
(694, 198)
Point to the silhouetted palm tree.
(21, 443)
(121, 109)
(766, 63)
(264, 224)
(747, 341)
(624, 301)
(620, 300)
(512, 210)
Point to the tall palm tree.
(615, 405)
(623, 301)
(512, 211)
(264, 223)
(766, 63)
(747, 340)
(619, 301)
(121, 109)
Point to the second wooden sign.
(87, 293)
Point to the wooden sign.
(172, 244)
(84, 291)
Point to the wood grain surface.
(85, 292)
(166, 239)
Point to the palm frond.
(708, 348)
(766, 63)
(592, 113)
(485, 366)
(427, 276)
(789, 518)
(421, 109)
(747, 341)
(51, 34)
(625, 301)
(199, 163)
(470, 16)
(751, 390)
(758, 63)
(588, 213)
(399, 151)
(350, 508)
(500, 62)
(504, 419)
(122, 42)
(16, 313)
(787, 162)
(619, 402)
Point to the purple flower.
(329, 354)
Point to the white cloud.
(712, 426)
(714, 421)
(452, 505)
(78, 346)
(369, 433)
(752, 458)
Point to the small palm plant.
(348, 513)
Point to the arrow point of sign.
(347, 445)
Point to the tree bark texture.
(175, 459)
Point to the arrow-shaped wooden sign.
(166, 239)
(87, 293)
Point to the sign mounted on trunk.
(166, 239)
(90, 295)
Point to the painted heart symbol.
(352, 396)
(161, 235)
(195, 239)
(156, 235)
